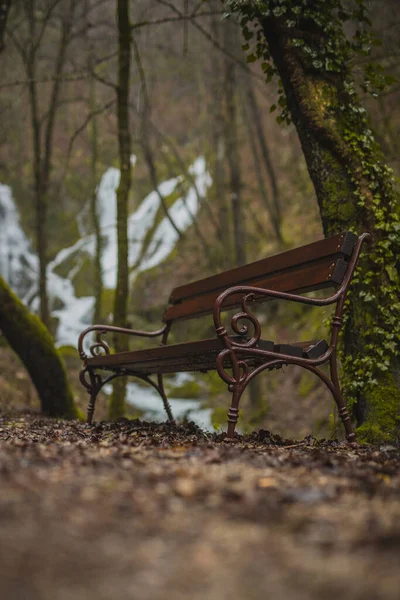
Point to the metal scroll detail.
(100, 347)
(241, 323)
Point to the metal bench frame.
(245, 358)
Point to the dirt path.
(135, 511)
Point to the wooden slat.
(182, 350)
(172, 351)
(340, 245)
(187, 356)
(315, 276)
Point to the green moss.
(383, 422)
(32, 342)
(70, 356)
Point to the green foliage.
(325, 51)
(383, 424)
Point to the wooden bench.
(239, 354)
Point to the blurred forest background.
(203, 133)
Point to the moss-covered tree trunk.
(117, 405)
(355, 190)
(32, 342)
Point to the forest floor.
(143, 511)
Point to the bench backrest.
(312, 267)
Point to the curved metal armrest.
(250, 291)
(110, 328)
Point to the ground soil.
(143, 511)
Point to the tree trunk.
(32, 342)
(355, 190)
(43, 146)
(5, 6)
(94, 209)
(232, 150)
(117, 404)
(98, 278)
(39, 192)
(218, 143)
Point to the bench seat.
(196, 356)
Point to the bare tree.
(43, 122)
(232, 145)
(117, 404)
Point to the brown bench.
(240, 354)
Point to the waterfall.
(19, 265)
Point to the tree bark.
(117, 404)
(94, 209)
(5, 6)
(218, 142)
(32, 342)
(232, 150)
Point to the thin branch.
(185, 27)
(212, 40)
(62, 103)
(201, 200)
(163, 20)
(145, 113)
(47, 79)
(82, 127)
(102, 80)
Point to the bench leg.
(92, 383)
(233, 412)
(167, 406)
(95, 387)
(340, 403)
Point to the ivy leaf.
(251, 58)
(247, 34)
(392, 272)
(278, 11)
(272, 108)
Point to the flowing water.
(19, 265)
